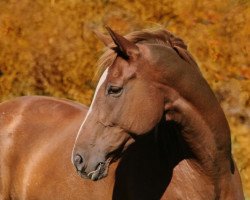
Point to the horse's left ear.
(104, 38)
(127, 48)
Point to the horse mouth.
(100, 172)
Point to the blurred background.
(47, 47)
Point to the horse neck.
(202, 123)
(174, 147)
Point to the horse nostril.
(79, 162)
(78, 159)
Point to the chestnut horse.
(153, 116)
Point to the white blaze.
(101, 81)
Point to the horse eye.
(114, 91)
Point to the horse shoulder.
(188, 182)
(232, 185)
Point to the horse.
(151, 82)
(154, 130)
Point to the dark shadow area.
(146, 168)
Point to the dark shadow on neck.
(146, 168)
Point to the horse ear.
(127, 48)
(104, 38)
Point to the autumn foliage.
(48, 48)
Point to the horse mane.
(159, 36)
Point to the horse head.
(130, 98)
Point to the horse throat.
(171, 145)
